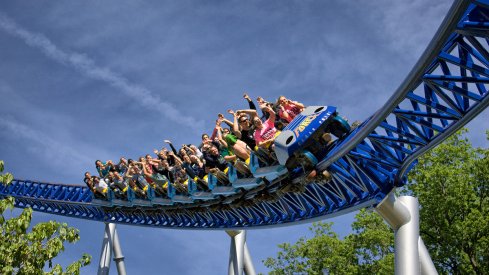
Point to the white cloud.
(89, 68)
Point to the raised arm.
(214, 132)
(220, 138)
(171, 146)
(146, 171)
(298, 104)
(250, 112)
(250, 102)
(270, 112)
(228, 122)
(235, 128)
(178, 161)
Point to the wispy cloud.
(51, 149)
(89, 68)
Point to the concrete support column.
(239, 256)
(406, 238)
(111, 243)
(105, 255)
(427, 266)
(248, 263)
(118, 257)
(402, 214)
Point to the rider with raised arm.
(122, 166)
(193, 166)
(97, 185)
(163, 168)
(117, 180)
(287, 109)
(243, 126)
(262, 103)
(232, 142)
(214, 159)
(150, 173)
(116, 185)
(135, 176)
(173, 149)
(265, 131)
(161, 154)
(103, 168)
(196, 151)
(131, 177)
(88, 179)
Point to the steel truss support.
(411, 255)
(239, 256)
(109, 244)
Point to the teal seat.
(120, 202)
(137, 201)
(158, 200)
(219, 190)
(178, 198)
(197, 194)
(104, 202)
(270, 173)
(244, 183)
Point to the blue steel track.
(447, 88)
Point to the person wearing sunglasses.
(243, 128)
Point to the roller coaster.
(447, 87)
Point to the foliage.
(368, 250)
(5, 178)
(452, 185)
(23, 252)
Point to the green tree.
(5, 178)
(368, 250)
(452, 185)
(23, 252)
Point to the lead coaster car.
(307, 139)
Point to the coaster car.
(307, 138)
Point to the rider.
(243, 127)
(265, 131)
(103, 168)
(288, 109)
(96, 184)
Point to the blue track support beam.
(445, 90)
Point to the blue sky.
(88, 80)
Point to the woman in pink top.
(288, 109)
(265, 131)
